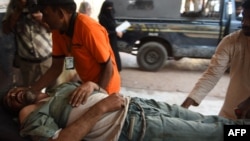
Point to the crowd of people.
(55, 37)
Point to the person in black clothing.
(106, 19)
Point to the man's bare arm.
(38, 17)
(50, 76)
(188, 102)
(81, 93)
(81, 127)
(243, 109)
(106, 74)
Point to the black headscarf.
(107, 12)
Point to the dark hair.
(246, 4)
(55, 2)
(70, 8)
(105, 5)
(7, 108)
(68, 5)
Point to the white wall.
(3, 5)
(95, 4)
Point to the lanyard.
(69, 46)
(69, 60)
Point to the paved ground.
(172, 83)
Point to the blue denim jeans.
(149, 120)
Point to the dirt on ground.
(175, 76)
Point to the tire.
(151, 56)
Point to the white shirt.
(109, 126)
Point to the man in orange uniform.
(83, 44)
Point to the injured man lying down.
(57, 115)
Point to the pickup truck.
(170, 29)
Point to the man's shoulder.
(235, 33)
(233, 36)
(68, 85)
(63, 88)
(87, 23)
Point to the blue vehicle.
(170, 29)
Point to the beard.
(246, 30)
(30, 97)
(247, 33)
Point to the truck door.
(235, 12)
(166, 29)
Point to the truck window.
(207, 8)
(238, 13)
(140, 4)
(191, 5)
(201, 8)
(150, 9)
(212, 8)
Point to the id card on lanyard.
(69, 60)
(69, 63)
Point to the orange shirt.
(90, 47)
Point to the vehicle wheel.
(151, 56)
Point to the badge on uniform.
(69, 63)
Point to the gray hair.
(84, 7)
